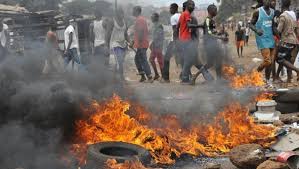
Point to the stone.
(289, 118)
(269, 164)
(278, 123)
(212, 166)
(247, 156)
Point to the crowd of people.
(276, 38)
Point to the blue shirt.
(264, 22)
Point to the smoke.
(38, 111)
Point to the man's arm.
(91, 33)
(254, 20)
(281, 24)
(108, 25)
(70, 42)
(194, 26)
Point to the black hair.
(185, 5)
(174, 6)
(138, 9)
(156, 15)
(98, 13)
(211, 7)
(285, 3)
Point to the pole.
(115, 3)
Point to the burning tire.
(98, 154)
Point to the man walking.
(141, 43)
(188, 49)
(287, 27)
(239, 36)
(171, 49)
(262, 25)
(99, 36)
(157, 45)
(71, 44)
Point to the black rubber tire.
(96, 159)
(290, 96)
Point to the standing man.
(262, 25)
(239, 37)
(99, 39)
(171, 49)
(287, 27)
(141, 43)
(3, 39)
(71, 44)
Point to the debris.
(212, 166)
(290, 158)
(289, 118)
(269, 164)
(278, 123)
(289, 142)
(247, 156)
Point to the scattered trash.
(291, 158)
(287, 143)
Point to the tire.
(290, 96)
(98, 154)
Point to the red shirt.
(185, 32)
(141, 27)
(52, 38)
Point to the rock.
(247, 156)
(289, 118)
(212, 166)
(269, 164)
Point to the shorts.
(285, 52)
(268, 55)
(240, 44)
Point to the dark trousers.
(3, 53)
(141, 62)
(102, 54)
(189, 53)
(171, 50)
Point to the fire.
(112, 164)
(264, 96)
(251, 79)
(164, 136)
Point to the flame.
(112, 164)
(251, 79)
(265, 96)
(164, 136)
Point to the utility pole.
(115, 3)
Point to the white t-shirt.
(174, 20)
(70, 29)
(2, 35)
(99, 33)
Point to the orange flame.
(251, 79)
(264, 96)
(112, 164)
(165, 136)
